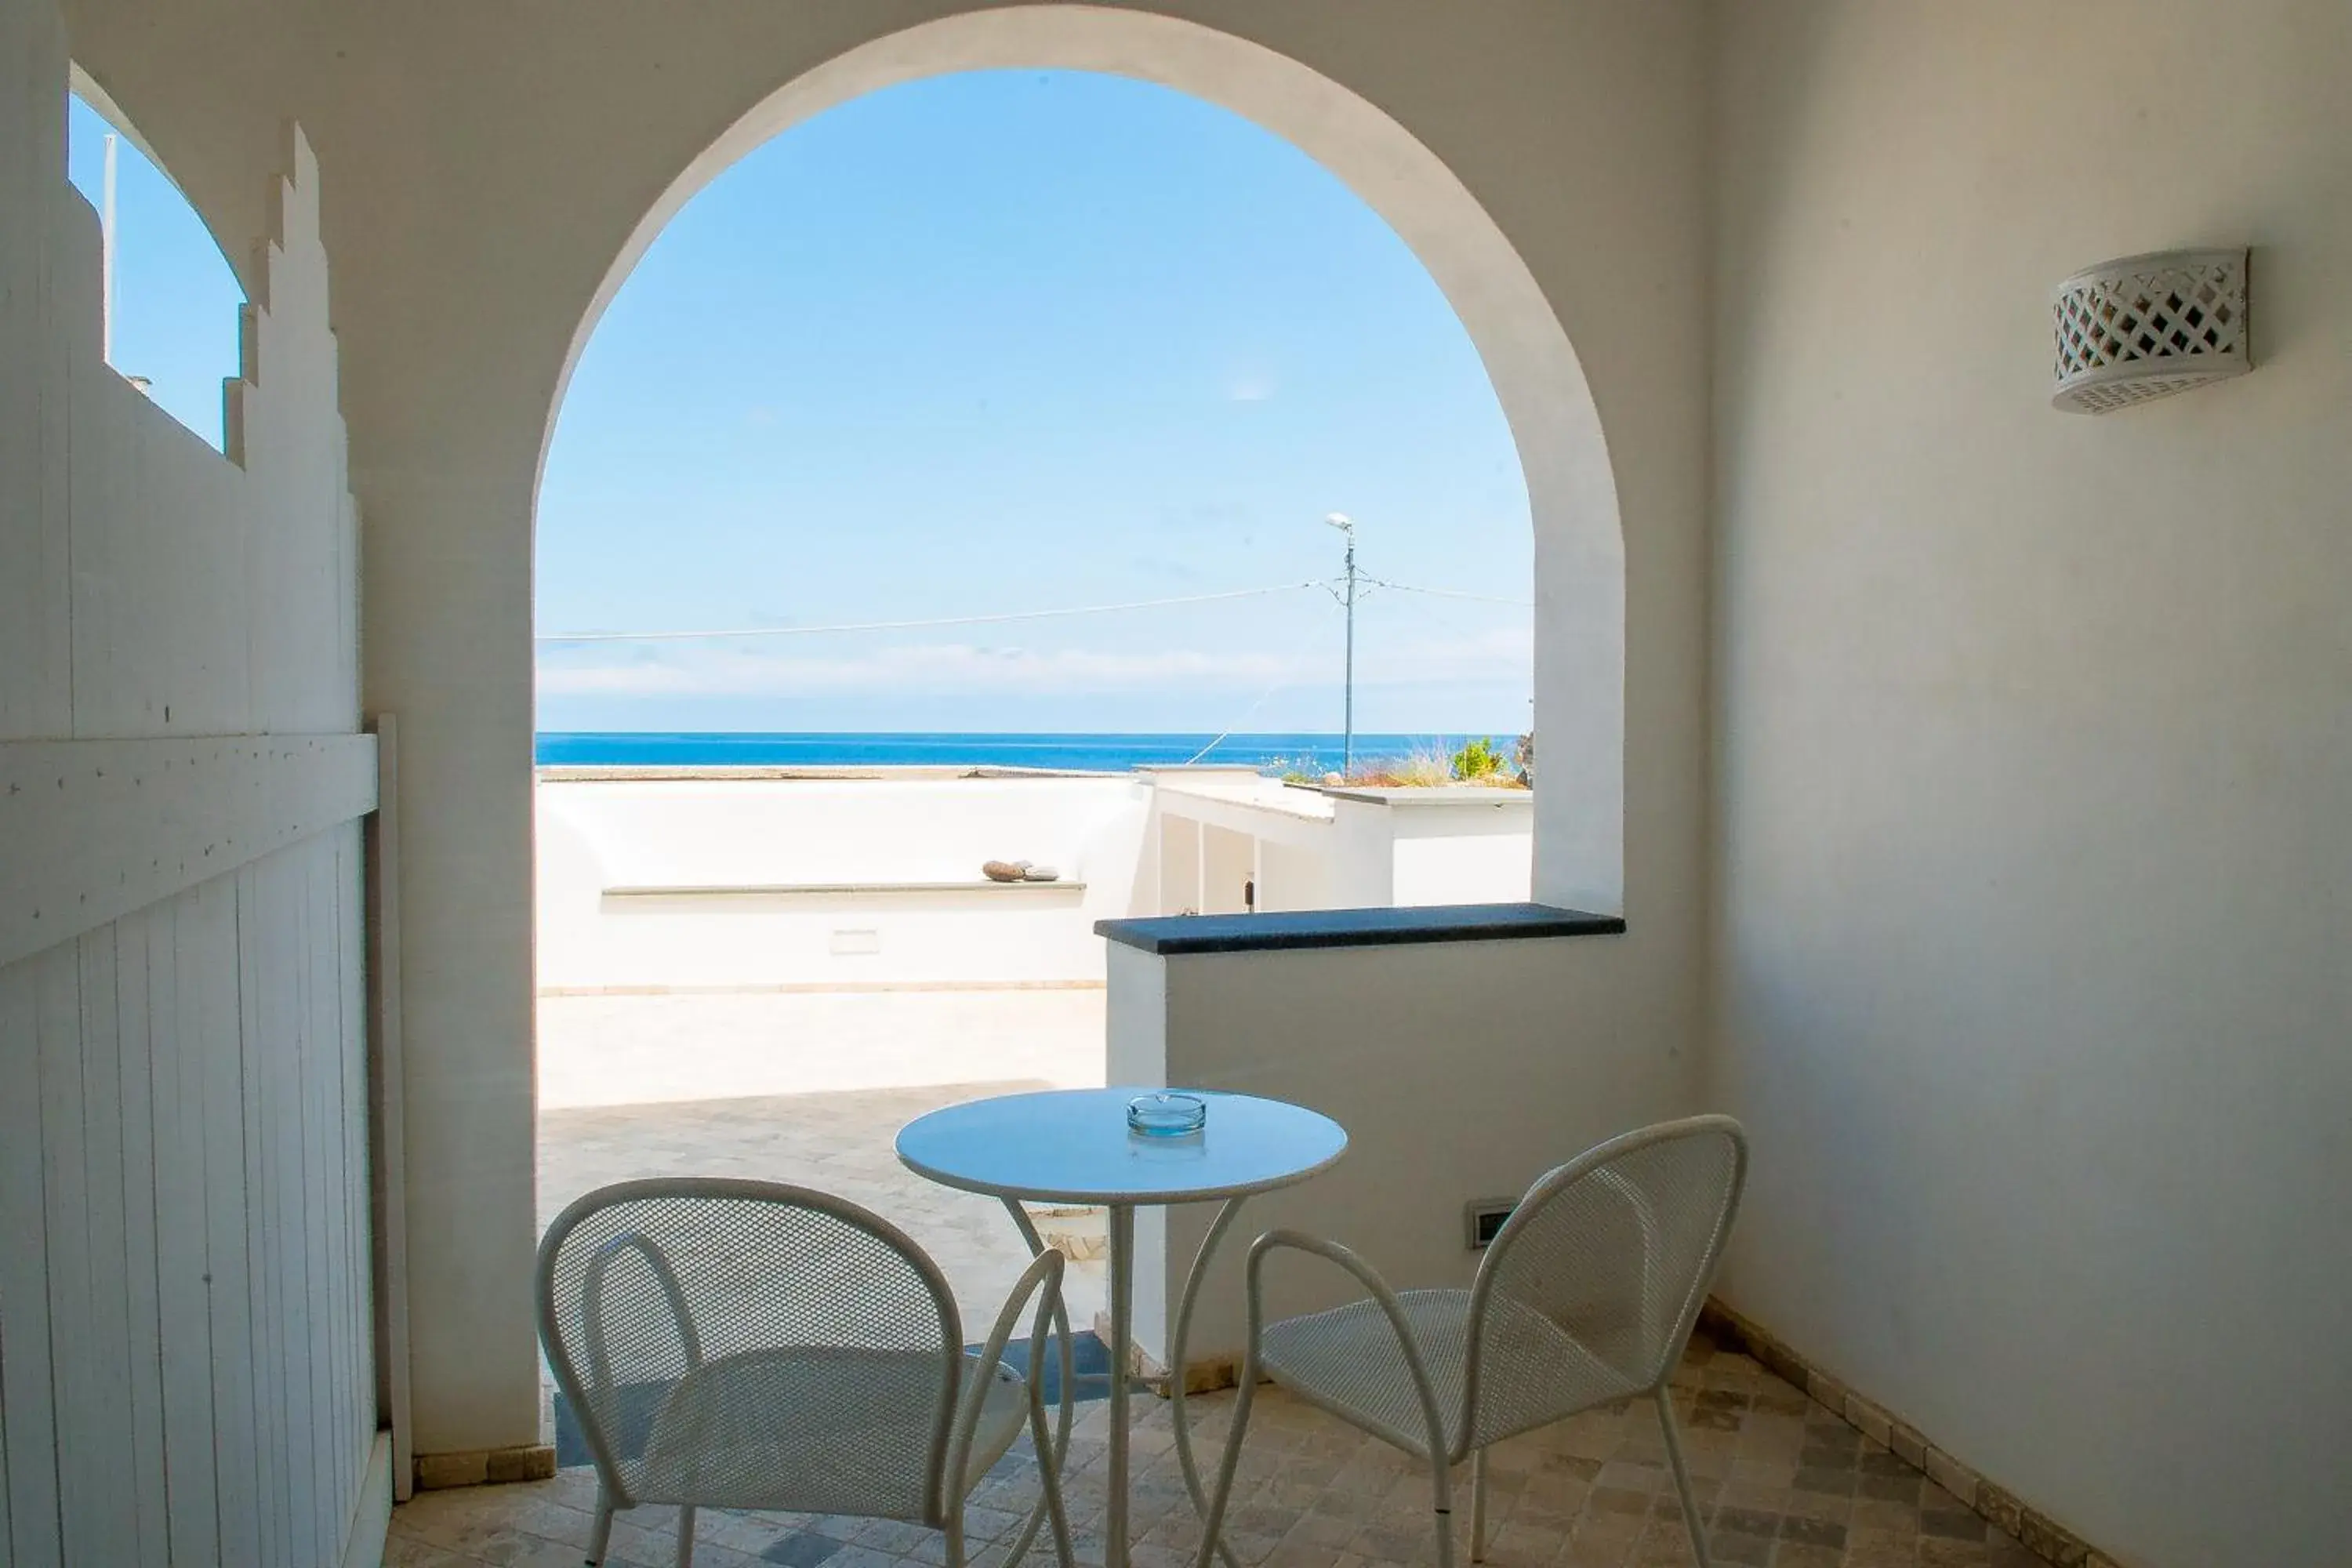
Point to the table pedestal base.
(1122, 1338)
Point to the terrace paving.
(1782, 1483)
(812, 1089)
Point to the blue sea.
(1302, 751)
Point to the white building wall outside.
(889, 870)
(1228, 867)
(1292, 878)
(720, 881)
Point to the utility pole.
(1345, 524)
(106, 260)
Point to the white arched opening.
(1580, 588)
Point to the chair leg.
(953, 1531)
(1215, 1521)
(1682, 1475)
(685, 1536)
(602, 1533)
(1441, 1480)
(1478, 1506)
(1049, 1474)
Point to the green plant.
(1309, 769)
(1478, 760)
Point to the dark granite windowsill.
(1170, 935)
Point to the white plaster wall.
(1321, 852)
(2034, 753)
(1362, 872)
(1291, 877)
(595, 835)
(1460, 1071)
(1543, 156)
(1178, 887)
(1466, 868)
(1228, 861)
(1469, 848)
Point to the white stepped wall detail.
(186, 1366)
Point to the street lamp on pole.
(1345, 524)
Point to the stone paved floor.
(640, 1050)
(1782, 1483)
(812, 1089)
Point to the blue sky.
(1006, 341)
(175, 299)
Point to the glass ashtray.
(1167, 1114)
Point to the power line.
(1451, 594)
(921, 624)
(1282, 678)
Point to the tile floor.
(1784, 1484)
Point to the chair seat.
(816, 1430)
(1348, 1362)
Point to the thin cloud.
(934, 668)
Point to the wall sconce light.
(2144, 327)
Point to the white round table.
(1074, 1146)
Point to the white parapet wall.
(724, 879)
(1227, 841)
(1460, 1069)
(655, 879)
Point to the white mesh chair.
(746, 1344)
(1587, 1295)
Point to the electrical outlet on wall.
(1482, 1220)
(850, 940)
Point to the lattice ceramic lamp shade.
(2147, 326)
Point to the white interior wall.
(2034, 752)
(184, 1266)
(1460, 1071)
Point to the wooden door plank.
(82, 1126)
(313, 950)
(283, 981)
(25, 1389)
(359, 1253)
(134, 1122)
(258, 1225)
(213, 983)
(4, 1529)
(184, 1337)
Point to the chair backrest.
(645, 1284)
(1614, 1251)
